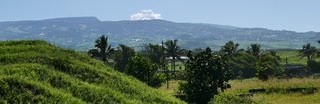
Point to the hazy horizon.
(292, 15)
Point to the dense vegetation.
(38, 72)
(206, 73)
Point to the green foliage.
(315, 75)
(230, 48)
(274, 53)
(154, 52)
(244, 62)
(227, 98)
(314, 66)
(206, 72)
(255, 50)
(157, 80)
(122, 56)
(38, 72)
(142, 68)
(268, 65)
(182, 86)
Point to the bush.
(182, 85)
(181, 75)
(144, 70)
(227, 98)
(315, 75)
(157, 80)
(314, 66)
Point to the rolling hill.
(80, 32)
(34, 71)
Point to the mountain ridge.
(80, 32)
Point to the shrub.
(315, 75)
(314, 66)
(157, 80)
(144, 70)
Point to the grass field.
(293, 57)
(238, 86)
(278, 98)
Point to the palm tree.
(230, 48)
(173, 50)
(104, 48)
(255, 50)
(307, 51)
(152, 51)
(274, 53)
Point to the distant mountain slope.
(80, 32)
(38, 72)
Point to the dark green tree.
(230, 48)
(104, 48)
(307, 51)
(314, 66)
(154, 52)
(144, 70)
(318, 52)
(244, 62)
(274, 53)
(255, 50)
(268, 65)
(122, 55)
(206, 73)
(197, 50)
(173, 50)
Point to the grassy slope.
(35, 71)
(292, 56)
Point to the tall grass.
(243, 86)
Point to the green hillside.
(38, 72)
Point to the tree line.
(206, 70)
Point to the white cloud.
(145, 15)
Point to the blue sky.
(295, 15)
